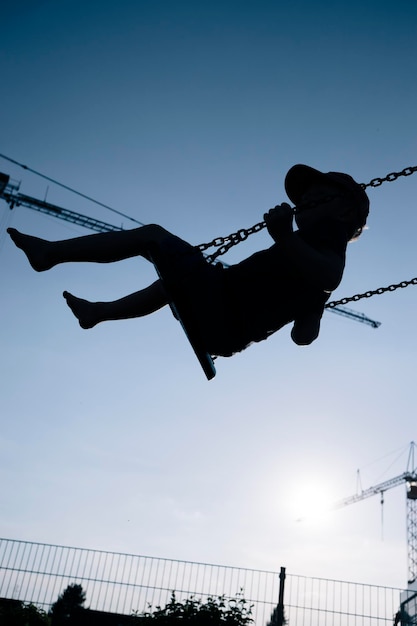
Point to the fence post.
(280, 607)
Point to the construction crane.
(9, 191)
(409, 478)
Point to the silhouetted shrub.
(16, 613)
(215, 611)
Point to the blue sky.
(189, 114)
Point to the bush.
(219, 611)
(16, 613)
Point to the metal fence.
(123, 583)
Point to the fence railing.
(123, 583)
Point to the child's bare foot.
(84, 311)
(35, 249)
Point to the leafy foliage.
(20, 614)
(215, 611)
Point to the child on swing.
(231, 307)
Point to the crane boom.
(372, 491)
(359, 317)
(9, 193)
(59, 212)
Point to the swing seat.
(205, 359)
(165, 273)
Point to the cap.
(300, 177)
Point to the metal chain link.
(225, 243)
(376, 182)
(369, 294)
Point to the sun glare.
(311, 501)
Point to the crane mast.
(10, 193)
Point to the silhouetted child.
(231, 307)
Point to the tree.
(66, 610)
(215, 611)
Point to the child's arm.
(323, 267)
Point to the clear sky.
(189, 114)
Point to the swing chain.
(369, 294)
(223, 244)
(376, 182)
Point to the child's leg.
(137, 304)
(98, 248)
